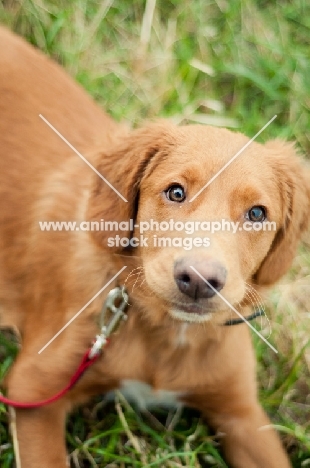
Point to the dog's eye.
(257, 214)
(176, 193)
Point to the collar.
(258, 313)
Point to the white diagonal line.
(232, 159)
(234, 309)
(83, 308)
(82, 157)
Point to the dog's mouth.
(194, 309)
(191, 312)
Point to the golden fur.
(46, 277)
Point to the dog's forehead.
(220, 145)
(197, 136)
(200, 151)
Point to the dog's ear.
(123, 167)
(293, 179)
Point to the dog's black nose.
(190, 283)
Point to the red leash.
(86, 362)
(117, 296)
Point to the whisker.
(259, 302)
(256, 297)
(253, 290)
(137, 279)
(131, 273)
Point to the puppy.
(175, 340)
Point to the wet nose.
(192, 285)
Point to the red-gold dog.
(174, 339)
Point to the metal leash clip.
(113, 311)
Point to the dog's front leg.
(39, 437)
(247, 436)
(39, 433)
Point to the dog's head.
(189, 271)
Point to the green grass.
(230, 63)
